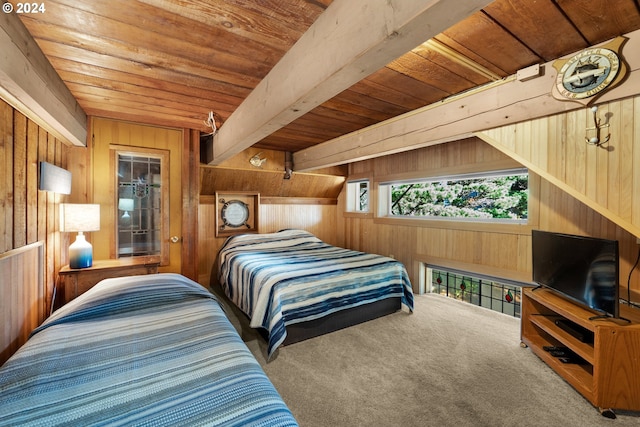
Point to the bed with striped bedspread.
(288, 277)
(152, 350)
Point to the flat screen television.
(585, 269)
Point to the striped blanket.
(151, 350)
(291, 276)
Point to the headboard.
(22, 296)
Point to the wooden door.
(110, 137)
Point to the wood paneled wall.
(494, 249)
(605, 178)
(29, 216)
(237, 174)
(269, 182)
(23, 295)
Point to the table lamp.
(80, 218)
(125, 205)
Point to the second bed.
(293, 281)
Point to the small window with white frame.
(358, 196)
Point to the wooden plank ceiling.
(171, 62)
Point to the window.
(142, 203)
(491, 196)
(488, 293)
(358, 196)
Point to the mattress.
(153, 350)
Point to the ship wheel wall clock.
(236, 212)
(589, 73)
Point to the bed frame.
(314, 328)
(339, 320)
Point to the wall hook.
(595, 130)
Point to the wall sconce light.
(595, 139)
(125, 205)
(256, 161)
(80, 218)
(54, 178)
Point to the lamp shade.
(54, 178)
(79, 217)
(125, 204)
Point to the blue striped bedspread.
(154, 350)
(278, 279)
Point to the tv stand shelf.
(584, 350)
(608, 375)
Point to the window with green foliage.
(491, 196)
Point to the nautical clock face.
(587, 73)
(235, 213)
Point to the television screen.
(584, 269)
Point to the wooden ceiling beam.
(460, 59)
(30, 84)
(496, 104)
(349, 41)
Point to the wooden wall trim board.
(298, 201)
(211, 200)
(6, 176)
(460, 169)
(19, 180)
(190, 199)
(522, 277)
(23, 289)
(498, 227)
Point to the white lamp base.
(80, 253)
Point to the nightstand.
(75, 281)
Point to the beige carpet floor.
(447, 364)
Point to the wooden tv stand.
(609, 377)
